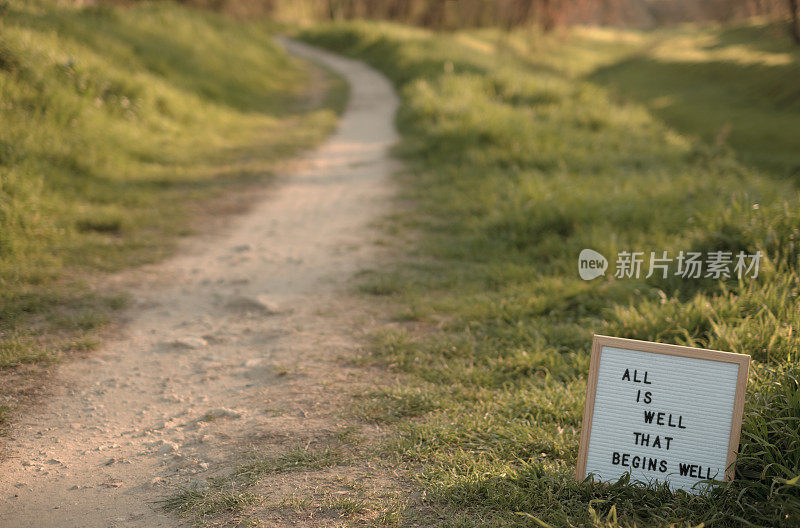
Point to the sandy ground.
(236, 338)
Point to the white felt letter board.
(663, 413)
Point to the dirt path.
(235, 339)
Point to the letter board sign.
(664, 413)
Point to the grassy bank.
(119, 127)
(519, 156)
(732, 86)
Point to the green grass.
(735, 86)
(119, 127)
(521, 150)
(240, 495)
(4, 420)
(298, 459)
(218, 499)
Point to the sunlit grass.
(520, 155)
(117, 123)
(736, 87)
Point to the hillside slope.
(119, 126)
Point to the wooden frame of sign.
(600, 341)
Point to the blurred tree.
(547, 14)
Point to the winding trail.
(234, 339)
